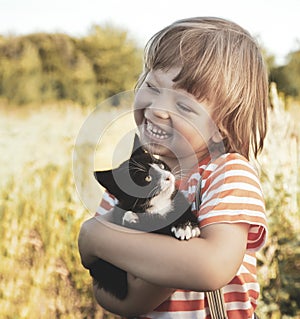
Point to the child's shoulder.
(229, 161)
(229, 157)
(229, 164)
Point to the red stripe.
(240, 314)
(251, 268)
(241, 279)
(181, 305)
(240, 296)
(106, 205)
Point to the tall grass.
(40, 216)
(40, 212)
(40, 268)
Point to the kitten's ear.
(138, 148)
(106, 179)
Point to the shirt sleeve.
(232, 194)
(107, 202)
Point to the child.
(195, 70)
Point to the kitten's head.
(138, 180)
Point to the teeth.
(156, 131)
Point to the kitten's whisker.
(136, 170)
(134, 205)
(176, 168)
(153, 192)
(174, 171)
(137, 166)
(177, 172)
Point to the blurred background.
(61, 59)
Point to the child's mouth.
(155, 131)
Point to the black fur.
(130, 176)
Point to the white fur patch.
(186, 232)
(130, 217)
(162, 203)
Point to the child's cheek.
(138, 116)
(141, 102)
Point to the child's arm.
(205, 263)
(142, 298)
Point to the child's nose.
(161, 113)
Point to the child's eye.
(152, 88)
(184, 108)
(148, 178)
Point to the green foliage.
(279, 266)
(287, 76)
(40, 68)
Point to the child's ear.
(217, 137)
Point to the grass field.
(41, 211)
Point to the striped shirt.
(231, 193)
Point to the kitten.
(147, 200)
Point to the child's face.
(171, 120)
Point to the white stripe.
(253, 300)
(100, 210)
(233, 173)
(211, 167)
(244, 270)
(231, 212)
(192, 189)
(109, 199)
(223, 166)
(210, 192)
(230, 199)
(238, 305)
(249, 259)
(196, 314)
(195, 176)
(241, 288)
(187, 295)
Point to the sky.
(275, 23)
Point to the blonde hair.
(221, 63)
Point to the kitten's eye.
(162, 166)
(148, 178)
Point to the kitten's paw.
(186, 231)
(130, 217)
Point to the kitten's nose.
(169, 177)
